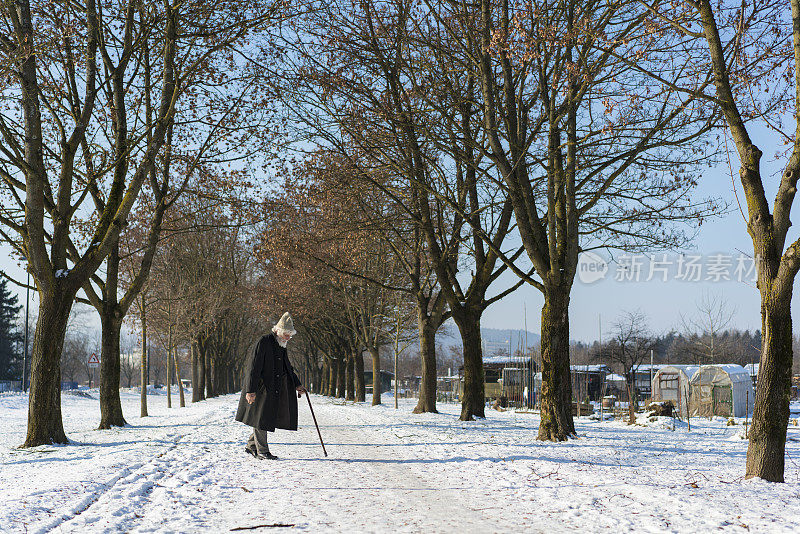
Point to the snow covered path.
(190, 473)
(185, 470)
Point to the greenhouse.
(672, 383)
(724, 390)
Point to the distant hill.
(494, 339)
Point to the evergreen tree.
(10, 356)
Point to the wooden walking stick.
(316, 425)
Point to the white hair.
(278, 332)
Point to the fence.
(10, 385)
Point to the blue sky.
(663, 302)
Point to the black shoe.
(268, 456)
(250, 451)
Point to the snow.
(184, 470)
(737, 373)
(593, 368)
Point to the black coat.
(270, 376)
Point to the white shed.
(724, 390)
(752, 368)
(615, 380)
(671, 383)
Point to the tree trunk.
(214, 373)
(376, 375)
(315, 375)
(326, 371)
(308, 379)
(178, 378)
(201, 363)
(350, 382)
(427, 350)
(219, 376)
(473, 400)
(332, 367)
(340, 365)
(361, 390)
(195, 372)
(169, 366)
(631, 401)
(208, 369)
(556, 395)
(44, 401)
(144, 376)
(766, 451)
(110, 404)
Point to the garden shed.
(672, 383)
(724, 390)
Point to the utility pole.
(651, 373)
(600, 329)
(528, 388)
(600, 370)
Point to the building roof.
(736, 373)
(752, 368)
(645, 367)
(730, 368)
(688, 370)
(505, 358)
(383, 372)
(591, 368)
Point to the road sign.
(94, 361)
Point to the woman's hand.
(250, 398)
(300, 391)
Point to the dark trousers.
(258, 441)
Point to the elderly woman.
(267, 400)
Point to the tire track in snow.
(176, 495)
(373, 481)
(123, 504)
(131, 472)
(136, 481)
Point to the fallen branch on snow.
(273, 525)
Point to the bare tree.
(631, 343)
(385, 217)
(76, 350)
(355, 92)
(76, 152)
(129, 367)
(156, 364)
(704, 329)
(203, 295)
(588, 155)
(369, 251)
(751, 50)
